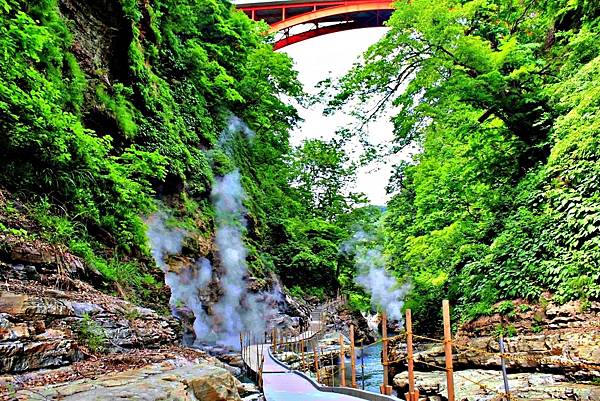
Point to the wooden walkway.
(280, 383)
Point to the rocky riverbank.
(553, 352)
(171, 379)
(60, 337)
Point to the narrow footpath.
(282, 384)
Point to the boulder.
(217, 385)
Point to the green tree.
(500, 203)
(324, 175)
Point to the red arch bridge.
(297, 20)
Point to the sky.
(331, 56)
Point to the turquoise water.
(369, 361)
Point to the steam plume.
(385, 291)
(237, 309)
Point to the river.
(370, 358)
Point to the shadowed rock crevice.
(101, 38)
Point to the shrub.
(92, 334)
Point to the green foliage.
(95, 147)
(132, 314)
(359, 302)
(505, 331)
(536, 328)
(301, 293)
(505, 308)
(524, 308)
(92, 334)
(122, 109)
(502, 201)
(323, 175)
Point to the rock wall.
(43, 303)
(339, 316)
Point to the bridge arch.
(298, 20)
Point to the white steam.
(385, 290)
(234, 127)
(163, 241)
(237, 309)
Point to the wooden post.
(385, 387)
(302, 355)
(316, 361)
(274, 338)
(260, 375)
(257, 352)
(448, 349)
(241, 345)
(352, 356)
(412, 394)
(342, 365)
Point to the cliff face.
(49, 318)
(116, 112)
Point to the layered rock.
(576, 353)
(40, 326)
(552, 352)
(170, 380)
(528, 319)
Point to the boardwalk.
(282, 384)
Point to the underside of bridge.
(295, 21)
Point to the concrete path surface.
(283, 384)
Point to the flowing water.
(369, 362)
(373, 369)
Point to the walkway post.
(342, 365)
(385, 387)
(256, 337)
(302, 355)
(362, 363)
(242, 351)
(503, 364)
(412, 394)
(352, 356)
(448, 349)
(316, 360)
